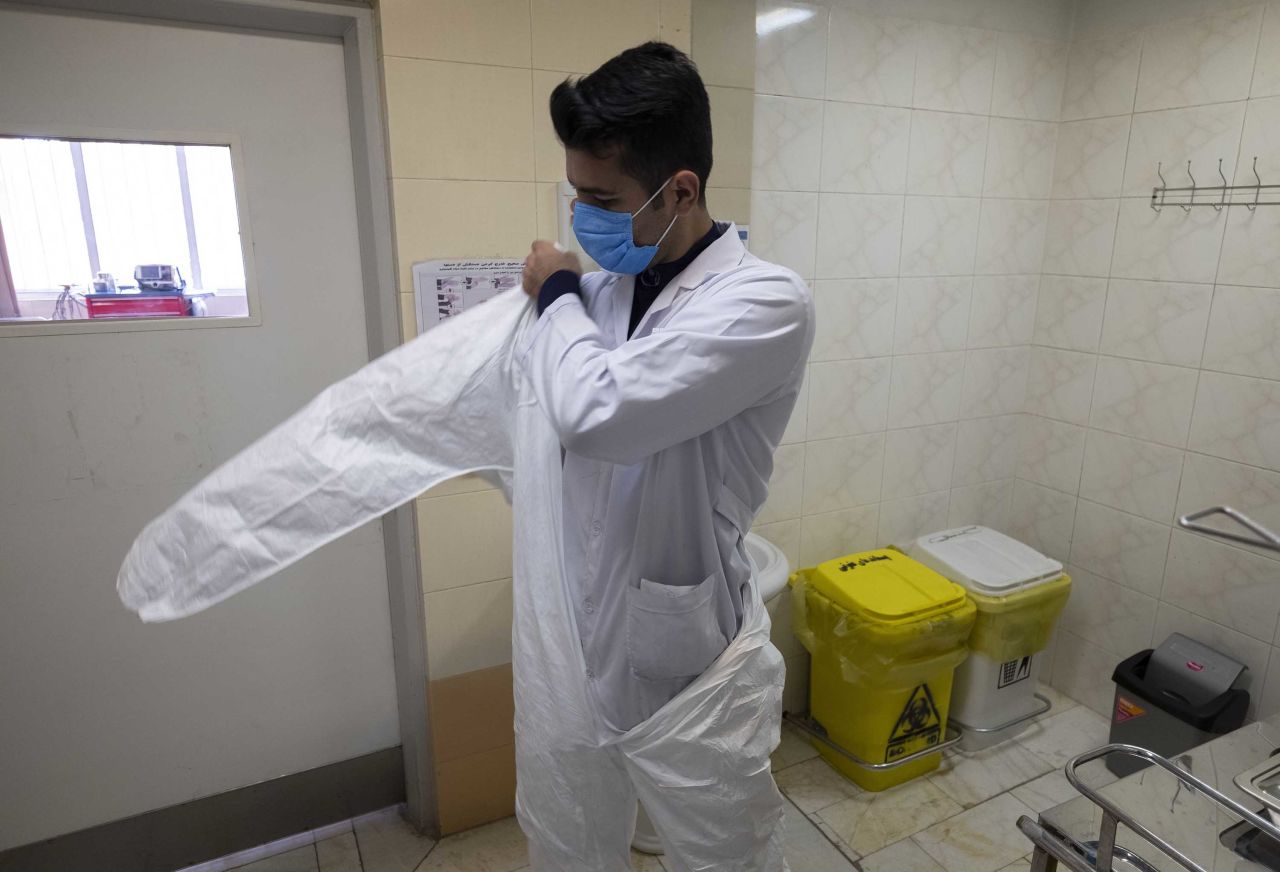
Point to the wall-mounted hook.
(1222, 202)
(1163, 186)
(1187, 207)
(1257, 190)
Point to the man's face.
(600, 181)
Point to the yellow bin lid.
(886, 586)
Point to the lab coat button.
(595, 528)
(588, 606)
(591, 674)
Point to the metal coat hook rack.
(1217, 196)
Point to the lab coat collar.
(720, 256)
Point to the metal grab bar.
(1121, 853)
(1021, 719)
(1112, 816)
(1075, 855)
(1265, 538)
(1052, 849)
(811, 727)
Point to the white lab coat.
(669, 439)
(456, 400)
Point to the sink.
(1262, 782)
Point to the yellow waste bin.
(886, 634)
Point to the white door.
(101, 716)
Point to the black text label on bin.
(919, 724)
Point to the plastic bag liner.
(872, 653)
(452, 401)
(1020, 624)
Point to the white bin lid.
(984, 560)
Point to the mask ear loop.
(668, 230)
(652, 197)
(646, 204)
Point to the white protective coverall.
(457, 400)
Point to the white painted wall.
(101, 716)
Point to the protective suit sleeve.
(437, 407)
(718, 356)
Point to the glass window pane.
(137, 206)
(143, 226)
(40, 210)
(213, 206)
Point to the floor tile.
(388, 844)
(871, 821)
(808, 850)
(814, 785)
(1063, 736)
(830, 835)
(970, 779)
(982, 839)
(793, 749)
(905, 856)
(298, 860)
(339, 854)
(646, 863)
(916, 827)
(496, 847)
(1046, 792)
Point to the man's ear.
(688, 189)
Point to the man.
(669, 377)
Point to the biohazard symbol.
(918, 727)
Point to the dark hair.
(649, 103)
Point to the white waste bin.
(1019, 594)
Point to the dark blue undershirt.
(649, 284)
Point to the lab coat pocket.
(672, 632)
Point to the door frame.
(354, 24)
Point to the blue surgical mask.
(609, 239)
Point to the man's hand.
(543, 261)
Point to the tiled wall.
(1007, 333)
(474, 165)
(904, 166)
(1154, 384)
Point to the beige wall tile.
(582, 34)
(436, 219)
(675, 23)
(548, 154)
(732, 113)
(724, 42)
(408, 317)
(463, 484)
(459, 121)
(464, 539)
(476, 790)
(477, 31)
(548, 216)
(730, 204)
(472, 713)
(468, 628)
